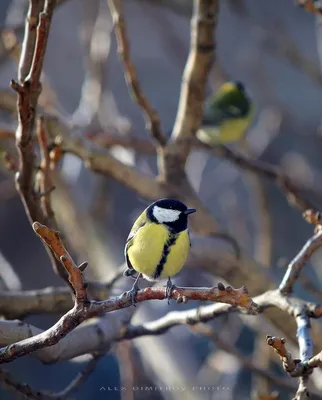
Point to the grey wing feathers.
(128, 243)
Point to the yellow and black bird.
(158, 244)
(227, 115)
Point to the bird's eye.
(240, 86)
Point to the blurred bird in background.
(227, 115)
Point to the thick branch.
(28, 91)
(190, 108)
(304, 335)
(84, 309)
(50, 300)
(28, 45)
(102, 162)
(108, 140)
(81, 312)
(114, 327)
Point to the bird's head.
(229, 102)
(232, 87)
(170, 212)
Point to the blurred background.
(273, 48)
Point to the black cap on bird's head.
(170, 212)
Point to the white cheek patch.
(163, 215)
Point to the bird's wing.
(139, 223)
(222, 108)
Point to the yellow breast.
(147, 250)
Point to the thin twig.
(78, 380)
(45, 184)
(151, 115)
(298, 368)
(246, 361)
(22, 389)
(295, 266)
(126, 367)
(278, 344)
(311, 6)
(289, 188)
(27, 392)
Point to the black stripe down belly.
(166, 250)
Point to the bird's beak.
(190, 211)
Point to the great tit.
(227, 115)
(158, 244)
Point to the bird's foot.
(132, 293)
(130, 272)
(169, 289)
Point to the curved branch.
(287, 186)
(295, 266)
(151, 115)
(84, 309)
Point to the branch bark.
(84, 309)
(190, 108)
(28, 90)
(151, 116)
(296, 265)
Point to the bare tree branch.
(102, 162)
(45, 181)
(311, 6)
(28, 46)
(84, 309)
(190, 108)
(102, 333)
(22, 389)
(295, 267)
(151, 115)
(28, 91)
(246, 361)
(278, 344)
(78, 380)
(27, 392)
(289, 188)
(107, 141)
(303, 367)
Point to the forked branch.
(84, 309)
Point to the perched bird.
(227, 115)
(158, 244)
